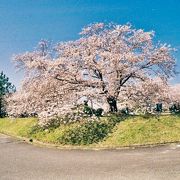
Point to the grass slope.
(143, 131)
(136, 130)
(17, 127)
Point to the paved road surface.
(22, 161)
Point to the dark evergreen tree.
(5, 88)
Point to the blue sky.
(24, 22)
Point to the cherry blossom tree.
(174, 93)
(109, 57)
(106, 60)
(174, 96)
(144, 95)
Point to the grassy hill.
(143, 131)
(108, 132)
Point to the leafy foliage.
(98, 112)
(5, 88)
(89, 132)
(90, 111)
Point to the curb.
(71, 147)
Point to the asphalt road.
(22, 161)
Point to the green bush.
(89, 132)
(90, 111)
(98, 112)
(35, 129)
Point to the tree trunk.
(112, 103)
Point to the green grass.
(17, 127)
(142, 131)
(136, 130)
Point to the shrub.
(90, 111)
(98, 112)
(88, 132)
(35, 129)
